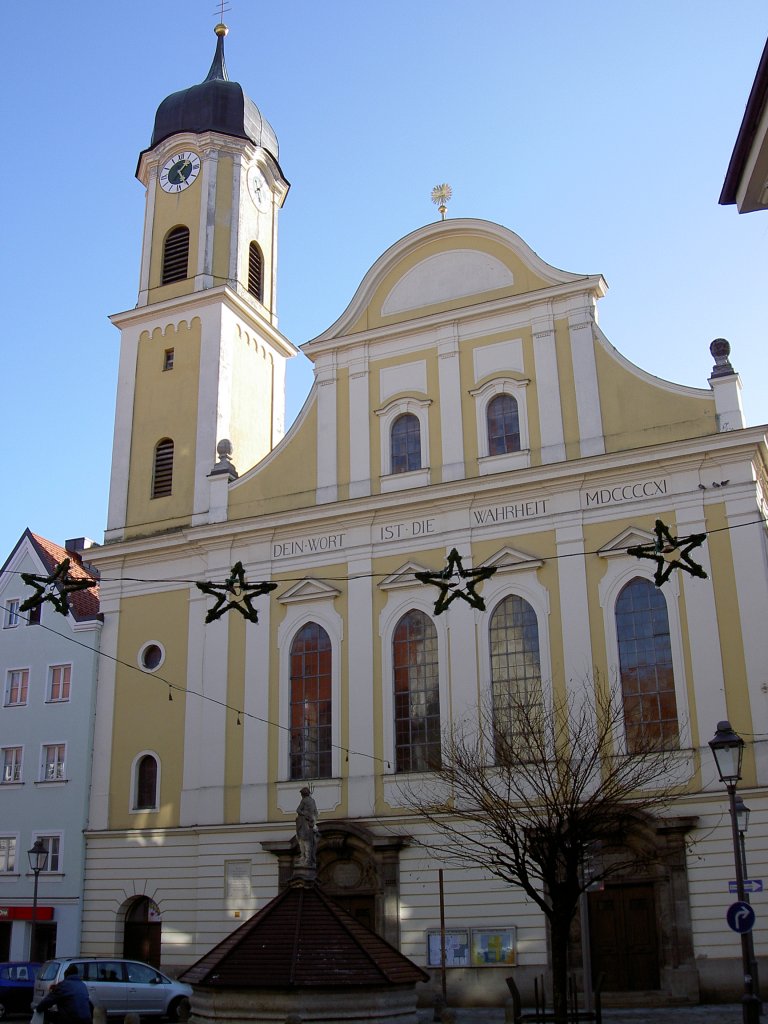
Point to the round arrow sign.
(740, 917)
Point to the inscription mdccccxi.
(623, 492)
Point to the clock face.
(179, 171)
(258, 188)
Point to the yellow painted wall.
(524, 280)
(567, 390)
(666, 416)
(173, 210)
(251, 411)
(144, 718)
(165, 405)
(286, 482)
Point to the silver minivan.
(119, 986)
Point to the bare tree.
(534, 792)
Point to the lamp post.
(728, 750)
(38, 857)
(742, 822)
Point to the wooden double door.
(624, 938)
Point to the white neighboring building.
(48, 665)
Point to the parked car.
(16, 982)
(119, 986)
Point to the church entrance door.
(624, 937)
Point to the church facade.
(465, 400)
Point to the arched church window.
(255, 271)
(416, 693)
(145, 791)
(503, 422)
(406, 443)
(162, 472)
(311, 716)
(175, 255)
(516, 690)
(645, 666)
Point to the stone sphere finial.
(225, 449)
(721, 350)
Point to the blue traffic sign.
(740, 917)
(750, 885)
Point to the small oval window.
(151, 657)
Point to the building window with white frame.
(405, 444)
(16, 687)
(11, 764)
(311, 704)
(7, 854)
(52, 844)
(502, 425)
(145, 783)
(503, 422)
(59, 680)
(645, 668)
(12, 616)
(516, 687)
(416, 684)
(53, 764)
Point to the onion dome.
(215, 105)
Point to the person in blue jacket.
(70, 997)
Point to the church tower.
(202, 363)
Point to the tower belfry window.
(162, 475)
(175, 255)
(255, 271)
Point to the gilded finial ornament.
(670, 553)
(235, 593)
(451, 580)
(441, 195)
(223, 8)
(54, 588)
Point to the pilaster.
(590, 419)
(548, 390)
(449, 382)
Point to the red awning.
(25, 914)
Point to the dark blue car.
(17, 979)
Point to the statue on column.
(306, 830)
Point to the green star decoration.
(670, 553)
(450, 581)
(235, 594)
(53, 588)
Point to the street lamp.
(728, 750)
(742, 822)
(38, 857)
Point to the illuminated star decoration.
(54, 588)
(670, 553)
(234, 593)
(450, 580)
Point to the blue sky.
(600, 133)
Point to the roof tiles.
(303, 939)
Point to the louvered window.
(256, 272)
(175, 255)
(162, 477)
